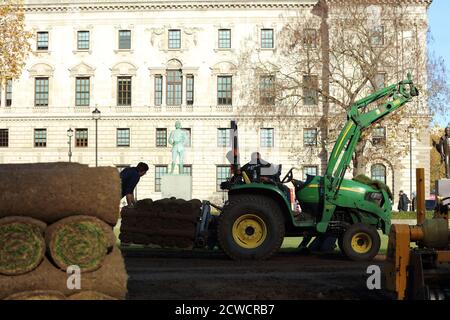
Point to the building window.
(187, 169)
(224, 38)
(310, 137)
(267, 90)
(8, 92)
(81, 137)
(40, 138)
(310, 86)
(174, 87)
(124, 39)
(161, 137)
(174, 39)
(123, 137)
(188, 142)
(4, 137)
(159, 172)
(42, 40)
(309, 170)
(82, 91)
(267, 38)
(380, 81)
(310, 38)
(379, 136)
(124, 91)
(267, 137)
(378, 172)
(222, 174)
(377, 36)
(158, 90)
(189, 89)
(83, 40)
(224, 90)
(224, 137)
(41, 92)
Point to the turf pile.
(167, 223)
(56, 226)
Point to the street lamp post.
(70, 134)
(96, 114)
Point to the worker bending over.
(130, 177)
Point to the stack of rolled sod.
(56, 233)
(166, 223)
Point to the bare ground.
(180, 275)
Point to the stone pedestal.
(443, 188)
(178, 186)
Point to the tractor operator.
(130, 177)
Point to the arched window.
(378, 172)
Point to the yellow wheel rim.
(249, 231)
(361, 243)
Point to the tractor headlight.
(376, 197)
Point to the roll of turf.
(22, 245)
(79, 240)
(90, 295)
(110, 279)
(50, 192)
(37, 295)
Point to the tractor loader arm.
(357, 120)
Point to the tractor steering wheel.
(288, 177)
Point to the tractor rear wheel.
(251, 227)
(361, 242)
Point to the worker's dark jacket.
(403, 203)
(130, 178)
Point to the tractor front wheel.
(251, 227)
(360, 242)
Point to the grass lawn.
(410, 215)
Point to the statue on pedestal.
(177, 139)
(444, 150)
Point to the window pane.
(222, 173)
(174, 87)
(82, 91)
(380, 81)
(124, 39)
(174, 39)
(158, 90)
(377, 37)
(188, 142)
(4, 137)
(40, 138)
(42, 40)
(161, 137)
(83, 40)
(223, 137)
(267, 137)
(310, 86)
(41, 92)
(189, 89)
(378, 172)
(379, 135)
(8, 92)
(267, 38)
(123, 137)
(310, 38)
(224, 90)
(310, 137)
(309, 170)
(159, 172)
(225, 38)
(187, 169)
(267, 90)
(124, 91)
(81, 137)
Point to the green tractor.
(262, 210)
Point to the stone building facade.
(146, 64)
